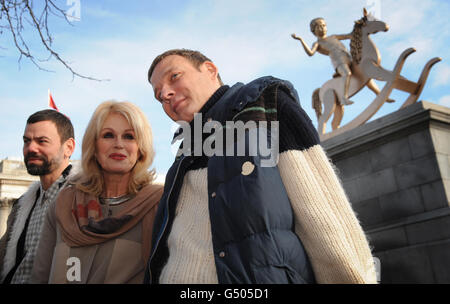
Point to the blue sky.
(118, 40)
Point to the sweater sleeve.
(44, 254)
(324, 220)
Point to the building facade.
(14, 181)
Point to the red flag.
(51, 103)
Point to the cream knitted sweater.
(325, 222)
(191, 258)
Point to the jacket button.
(213, 194)
(247, 168)
(222, 254)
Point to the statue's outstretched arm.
(309, 51)
(343, 37)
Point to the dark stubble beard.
(47, 166)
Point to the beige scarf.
(82, 224)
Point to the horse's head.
(370, 25)
(362, 29)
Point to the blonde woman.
(99, 230)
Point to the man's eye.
(175, 75)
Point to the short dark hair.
(195, 57)
(63, 124)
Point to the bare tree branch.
(13, 14)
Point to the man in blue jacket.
(231, 216)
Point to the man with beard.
(48, 143)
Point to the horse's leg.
(374, 88)
(329, 102)
(338, 114)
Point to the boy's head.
(318, 27)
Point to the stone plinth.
(396, 172)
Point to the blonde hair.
(90, 179)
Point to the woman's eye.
(108, 135)
(129, 136)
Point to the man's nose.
(32, 147)
(167, 93)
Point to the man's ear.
(69, 147)
(212, 69)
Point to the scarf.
(82, 224)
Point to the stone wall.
(396, 172)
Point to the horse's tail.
(316, 103)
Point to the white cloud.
(442, 75)
(97, 12)
(405, 16)
(445, 101)
(415, 23)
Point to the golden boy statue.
(331, 46)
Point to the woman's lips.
(117, 156)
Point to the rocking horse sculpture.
(364, 68)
